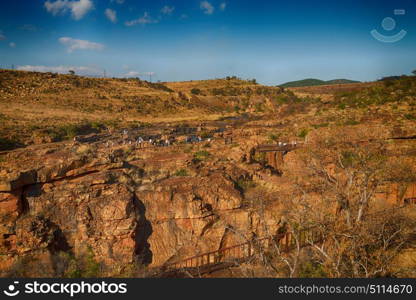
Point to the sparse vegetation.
(201, 155)
(196, 91)
(303, 133)
(181, 173)
(244, 184)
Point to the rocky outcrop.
(124, 207)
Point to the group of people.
(156, 140)
(147, 141)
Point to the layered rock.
(126, 207)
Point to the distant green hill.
(313, 81)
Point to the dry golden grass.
(36, 105)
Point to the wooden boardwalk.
(240, 252)
(231, 256)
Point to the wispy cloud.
(2, 36)
(137, 74)
(78, 8)
(132, 74)
(145, 19)
(118, 1)
(62, 69)
(206, 7)
(111, 15)
(223, 6)
(12, 44)
(74, 44)
(167, 10)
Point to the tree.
(196, 91)
(343, 172)
(71, 72)
(414, 72)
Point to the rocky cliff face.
(125, 205)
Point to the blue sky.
(272, 41)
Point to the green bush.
(351, 122)
(349, 158)
(196, 91)
(342, 106)
(181, 172)
(244, 184)
(201, 155)
(84, 267)
(8, 144)
(321, 125)
(410, 117)
(259, 107)
(273, 137)
(312, 270)
(260, 157)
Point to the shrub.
(8, 144)
(312, 270)
(303, 133)
(181, 172)
(259, 107)
(244, 184)
(410, 117)
(348, 158)
(196, 91)
(201, 155)
(351, 122)
(260, 157)
(316, 126)
(342, 106)
(84, 267)
(206, 134)
(274, 136)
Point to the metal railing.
(286, 242)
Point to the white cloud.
(132, 74)
(146, 19)
(74, 44)
(137, 74)
(78, 8)
(111, 15)
(118, 1)
(12, 44)
(2, 36)
(62, 69)
(167, 10)
(206, 7)
(223, 6)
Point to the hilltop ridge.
(315, 82)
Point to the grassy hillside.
(316, 82)
(43, 107)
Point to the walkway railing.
(286, 242)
